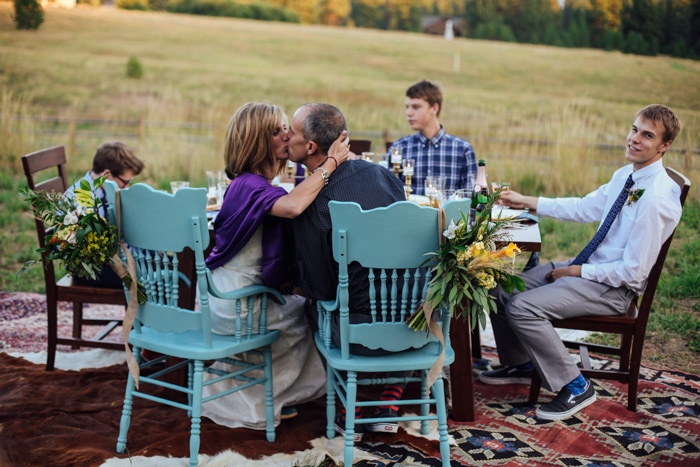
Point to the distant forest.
(644, 27)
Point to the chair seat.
(188, 345)
(414, 359)
(597, 323)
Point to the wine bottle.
(480, 184)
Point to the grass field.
(200, 69)
(533, 112)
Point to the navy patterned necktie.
(605, 226)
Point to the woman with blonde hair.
(250, 249)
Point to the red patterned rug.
(71, 418)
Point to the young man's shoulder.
(407, 140)
(456, 140)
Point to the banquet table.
(465, 343)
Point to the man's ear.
(665, 145)
(311, 147)
(435, 108)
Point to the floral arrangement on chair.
(467, 267)
(78, 236)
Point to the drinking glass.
(221, 190)
(174, 186)
(430, 186)
(461, 194)
(440, 182)
(368, 156)
(214, 177)
(444, 196)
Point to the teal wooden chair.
(454, 209)
(156, 225)
(390, 243)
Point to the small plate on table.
(420, 200)
(513, 215)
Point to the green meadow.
(552, 121)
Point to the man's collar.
(436, 139)
(648, 171)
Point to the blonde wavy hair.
(248, 140)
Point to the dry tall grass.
(198, 69)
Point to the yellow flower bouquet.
(77, 235)
(466, 267)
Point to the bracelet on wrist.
(324, 175)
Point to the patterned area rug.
(665, 431)
(23, 317)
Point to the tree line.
(644, 27)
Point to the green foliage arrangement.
(28, 14)
(229, 8)
(467, 267)
(134, 69)
(78, 236)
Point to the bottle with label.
(480, 184)
(481, 204)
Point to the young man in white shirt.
(638, 210)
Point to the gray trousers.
(523, 329)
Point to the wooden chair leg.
(350, 401)
(626, 342)
(535, 388)
(633, 383)
(52, 322)
(330, 402)
(77, 322)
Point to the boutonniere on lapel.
(634, 195)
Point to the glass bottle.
(481, 204)
(480, 184)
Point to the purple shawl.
(246, 204)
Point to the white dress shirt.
(630, 248)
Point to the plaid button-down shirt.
(443, 155)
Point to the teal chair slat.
(373, 336)
(391, 244)
(455, 208)
(379, 233)
(156, 225)
(158, 222)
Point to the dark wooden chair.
(631, 326)
(387, 145)
(358, 146)
(66, 289)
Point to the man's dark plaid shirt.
(314, 269)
